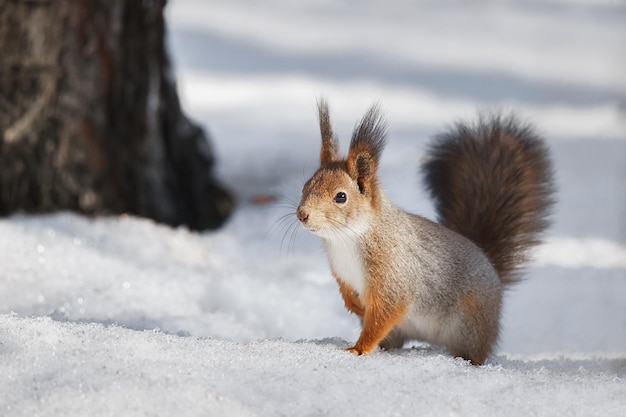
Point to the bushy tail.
(492, 182)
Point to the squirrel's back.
(492, 183)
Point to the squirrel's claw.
(355, 351)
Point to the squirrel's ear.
(362, 168)
(366, 146)
(330, 147)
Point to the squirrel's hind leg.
(473, 333)
(477, 355)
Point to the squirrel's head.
(343, 195)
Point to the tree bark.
(90, 118)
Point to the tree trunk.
(90, 119)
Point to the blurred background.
(252, 72)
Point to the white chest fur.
(346, 261)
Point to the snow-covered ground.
(121, 316)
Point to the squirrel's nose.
(303, 216)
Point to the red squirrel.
(409, 278)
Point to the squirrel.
(407, 277)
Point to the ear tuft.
(367, 144)
(330, 146)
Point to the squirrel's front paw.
(355, 350)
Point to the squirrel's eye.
(340, 198)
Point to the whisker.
(292, 243)
(280, 224)
(288, 200)
(291, 229)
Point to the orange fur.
(382, 312)
(381, 315)
(350, 299)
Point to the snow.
(86, 369)
(122, 316)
